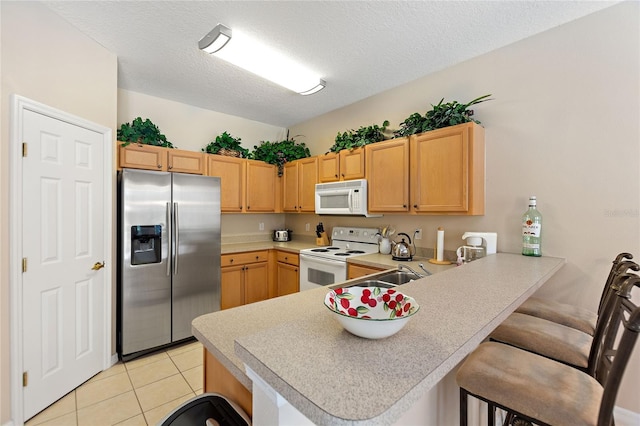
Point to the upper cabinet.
(447, 170)
(348, 164)
(232, 172)
(148, 157)
(387, 166)
(261, 187)
(246, 186)
(299, 180)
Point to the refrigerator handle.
(176, 242)
(169, 230)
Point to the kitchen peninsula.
(311, 367)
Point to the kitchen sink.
(382, 279)
(398, 277)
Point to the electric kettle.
(402, 250)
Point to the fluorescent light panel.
(253, 56)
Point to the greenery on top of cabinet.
(441, 115)
(361, 137)
(280, 152)
(225, 144)
(143, 132)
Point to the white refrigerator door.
(196, 259)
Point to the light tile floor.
(139, 392)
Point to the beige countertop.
(333, 377)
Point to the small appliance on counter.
(282, 235)
(479, 244)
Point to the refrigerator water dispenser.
(146, 244)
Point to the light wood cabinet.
(148, 157)
(298, 185)
(387, 166)
(261, 187)
(357, 271)
(232, 172)
(244, 278)
(447, 170)
(245, 185)
(287, 273)
(348, 164)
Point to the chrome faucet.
(421, 265)
(401, 267)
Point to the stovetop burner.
(319, 250)
(355, 252)
(343, 254)
(332, 248)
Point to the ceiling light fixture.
(261, 60)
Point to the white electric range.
(322, 266)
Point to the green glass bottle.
(531, 230)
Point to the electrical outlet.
(261, 226)
(418, 234)
(307, 226)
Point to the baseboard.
(626, 417)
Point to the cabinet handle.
(404, 206)
(170, 167)
(295, 270)
(286, 258)
(248, 207)
(342, 174)
(159, 166)
(230, 260)
(336, 175)
(415, 206)
(257, 257)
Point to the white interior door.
(63, 298)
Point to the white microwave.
(348, 197)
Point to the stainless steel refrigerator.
(169, 256)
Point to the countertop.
(333, 377)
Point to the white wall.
(564, 126)
(190, 127)
(47, 60)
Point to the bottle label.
(531, 229)
(531, 246)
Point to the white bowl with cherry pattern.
(371, 312)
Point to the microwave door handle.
(351, 201)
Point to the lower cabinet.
(357, 271)
(287, 273)
(244, 278)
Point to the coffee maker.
(478, 245)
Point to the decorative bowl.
(371, 312)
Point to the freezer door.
(145, 283)
(196, 262)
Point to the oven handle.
(311, 258)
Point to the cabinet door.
(388, 175)
(352, 164)
(182, 161)
(144, 157)
(261, 187)
(290, 187)
(232, 180)
(307, 179)
(287, 278)
(231, 286)
(256, 285)
(328, 167)
(357, 271)
(447, 170)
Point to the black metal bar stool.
(546, 392)
(574, 316)
(559, 342)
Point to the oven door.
(317, 272)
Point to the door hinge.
(24, 264)
(25, 379)
(24, 149)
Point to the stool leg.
(463, 407)
(491, 414)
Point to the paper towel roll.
(440, 245)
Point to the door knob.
(97, 266)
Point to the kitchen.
(584, 175)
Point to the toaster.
(282, 235)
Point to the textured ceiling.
(360, 48)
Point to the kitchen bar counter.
(333, 377)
